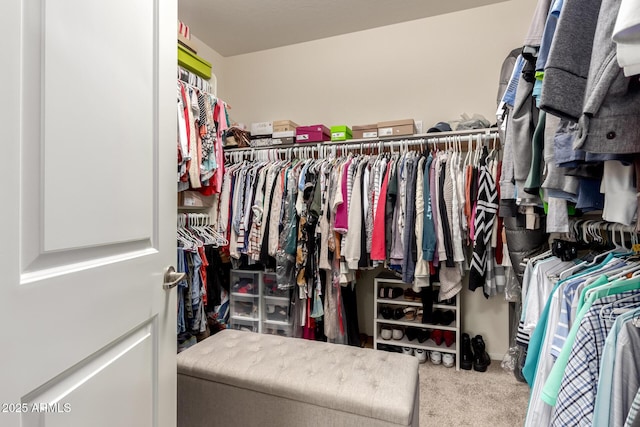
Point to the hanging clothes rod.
(448, 139)
(196, 88)
(582, 227)
(198, 82)
(206, 92)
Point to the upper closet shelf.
(193, 63)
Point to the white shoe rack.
(429, 344)
(264, 309)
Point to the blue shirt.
(509, 96)
(547, 35)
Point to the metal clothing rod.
(593, 225)
(206, 92)
(198, 82)
(449, 139)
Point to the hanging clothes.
(568, 326)
(487, 207)
(408, 211)
(202, 120)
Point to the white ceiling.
(234, 27)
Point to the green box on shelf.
(193, 63)
(341, 133)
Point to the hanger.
(568, 272)
(476, 158)
(618, 245)
(619, 310)
(220, 240)
(623, 272)
(588, 226)
(185, 236)
(545, 254)
(492, 153)
(205, 231)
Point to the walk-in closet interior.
(456, 183)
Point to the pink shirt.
(378, 247)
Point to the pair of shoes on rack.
(395, 313)
(478, 358)
(439, 336)
(440, 317)
(387, 333)
(389, 292)
(410, 295)
(417, 333)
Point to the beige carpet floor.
(469, 398)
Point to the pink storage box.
(315, 133)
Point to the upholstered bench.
(237, 378)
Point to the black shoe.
(481, 359)
(423, 335)
(386, 312)
(411, 333)
(398, 313)
(448, 317)
(396, 292)
(436, 317)
(466, 362)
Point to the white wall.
(430, 69)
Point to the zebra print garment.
(487, 207)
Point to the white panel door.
(87, 219)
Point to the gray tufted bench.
(237, 378)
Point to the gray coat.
(583, 81)
(610, 122)
(567, 67)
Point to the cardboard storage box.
(284, 126)
(396, 128)
(286, 137)
(315, 133)
(365, 131)
(194, 199)
(261, 128)
(340, 133)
